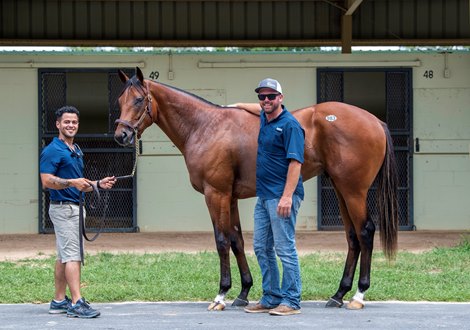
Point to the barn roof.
(261, 23)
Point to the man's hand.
(81, 184)
(107, 183)
(285, 203)
(284, 207)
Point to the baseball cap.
(269, 83)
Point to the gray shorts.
(65, 220)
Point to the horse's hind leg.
(351, 260)
(238, 248)
(360, 231)
(366, 232)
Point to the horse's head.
(137, 109)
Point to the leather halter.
(147, 109)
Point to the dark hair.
(66, 109)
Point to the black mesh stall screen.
(398, 116)
(115, 207)
(102, 157)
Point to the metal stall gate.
(396, 112)
(97, 103)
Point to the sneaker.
(82, 309)
(59, 307)
(258, 308)
(284, 310)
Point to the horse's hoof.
(355, 305)
(334, 303)
(240, 303)
(216, 306)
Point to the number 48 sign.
(428, 74)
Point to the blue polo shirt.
(57, 159)
(279, 141)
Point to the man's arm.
(253, 108)
(293, 174)
(54, 182)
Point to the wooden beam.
(346, 25)
(346, 34)
(352, 8)
(232, 43)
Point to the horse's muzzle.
(124, 138)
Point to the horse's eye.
(139, 100)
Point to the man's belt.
(64, 203)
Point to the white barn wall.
(18, 156)
(442, 124)
(166, 201)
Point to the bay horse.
(219, 146)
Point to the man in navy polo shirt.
(61, 171)
(280, 191)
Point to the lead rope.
(81, 219)
(137, 153)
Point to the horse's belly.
(242, 191)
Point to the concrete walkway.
(184, 315)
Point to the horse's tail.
(387, 199)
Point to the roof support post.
(346, 25)
(346, 34)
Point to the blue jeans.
(273, 236)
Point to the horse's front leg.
(367, 245)
(223, 249)
(219, 210)
(238, 248)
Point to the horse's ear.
(123, 76)
(139, 74)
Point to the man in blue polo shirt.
(61, 171)
(280, 191)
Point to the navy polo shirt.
(279, 141)
(57, 159)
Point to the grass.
(442, 274)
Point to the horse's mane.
(188, 93)
(134, 81)
(220, 107)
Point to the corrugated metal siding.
(230, 22)
(407, 19)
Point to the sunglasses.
(77, 153)
(270, 97)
